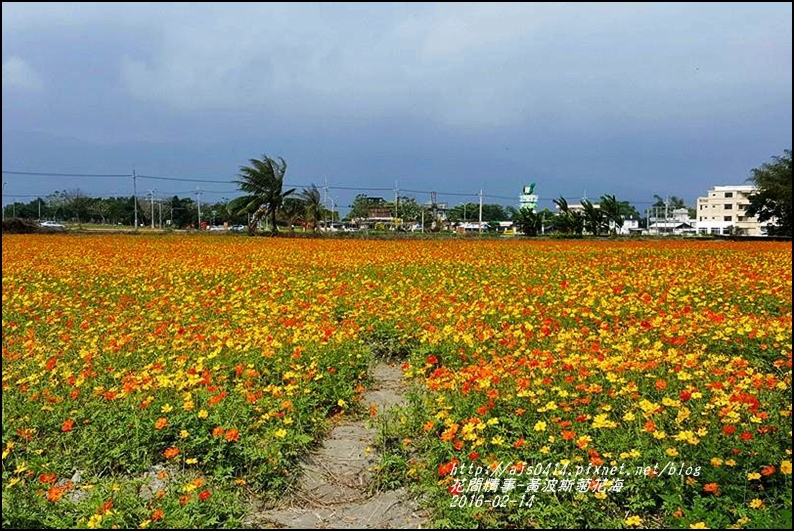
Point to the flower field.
(156, 381)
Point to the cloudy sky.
(626, 99)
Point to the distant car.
(238, 228)
(52, 225)
(217, 228)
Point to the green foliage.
(773, 200)
(263, 182)
(529, 222)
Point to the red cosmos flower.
(204, 495)
(446, 468)
(746, 436)
(108, 505)
(232, 435)
(431, 359)
(48, 478)
(768, 470)
(684, 395)
(729, 430)
(67, 425)
(473, 456)
(217, 398)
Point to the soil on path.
(335, 489)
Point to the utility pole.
(4, 207)
(151, 194)
(480, 210)
(396, 201)
(325, 191)
(160, 206)
(198, 202)
(135, 197)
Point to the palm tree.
(263, 182)
(567, 221)
(594, 218)
(292, 211)
(611, 209)
(313, 205)
(528, 221)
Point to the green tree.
(360, 207)
(528, 222)
(566, 220)
(594, 218)
(263, 183)
(772, 202)
(672, 203)
(312, 206)
(611, 208)
(292, 210)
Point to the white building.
(723, 211)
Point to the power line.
(182, 179)
(47, 174)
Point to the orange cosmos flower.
(105, 507)
(161, 423)
(218, 431)
(567, 435)
(55, 493)
(712, 488)
(67, 425)
(768, 470)
(48, 478)
(158, 515)
(232, 435)
(204, 495)
(170, 453)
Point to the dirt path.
(335, 489)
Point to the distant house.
(723, 211)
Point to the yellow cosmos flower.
(633, 520)
(203, 414)
(756, 503)
(281, 433)
(540, 426)
(785, 467)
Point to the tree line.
(264, 199)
